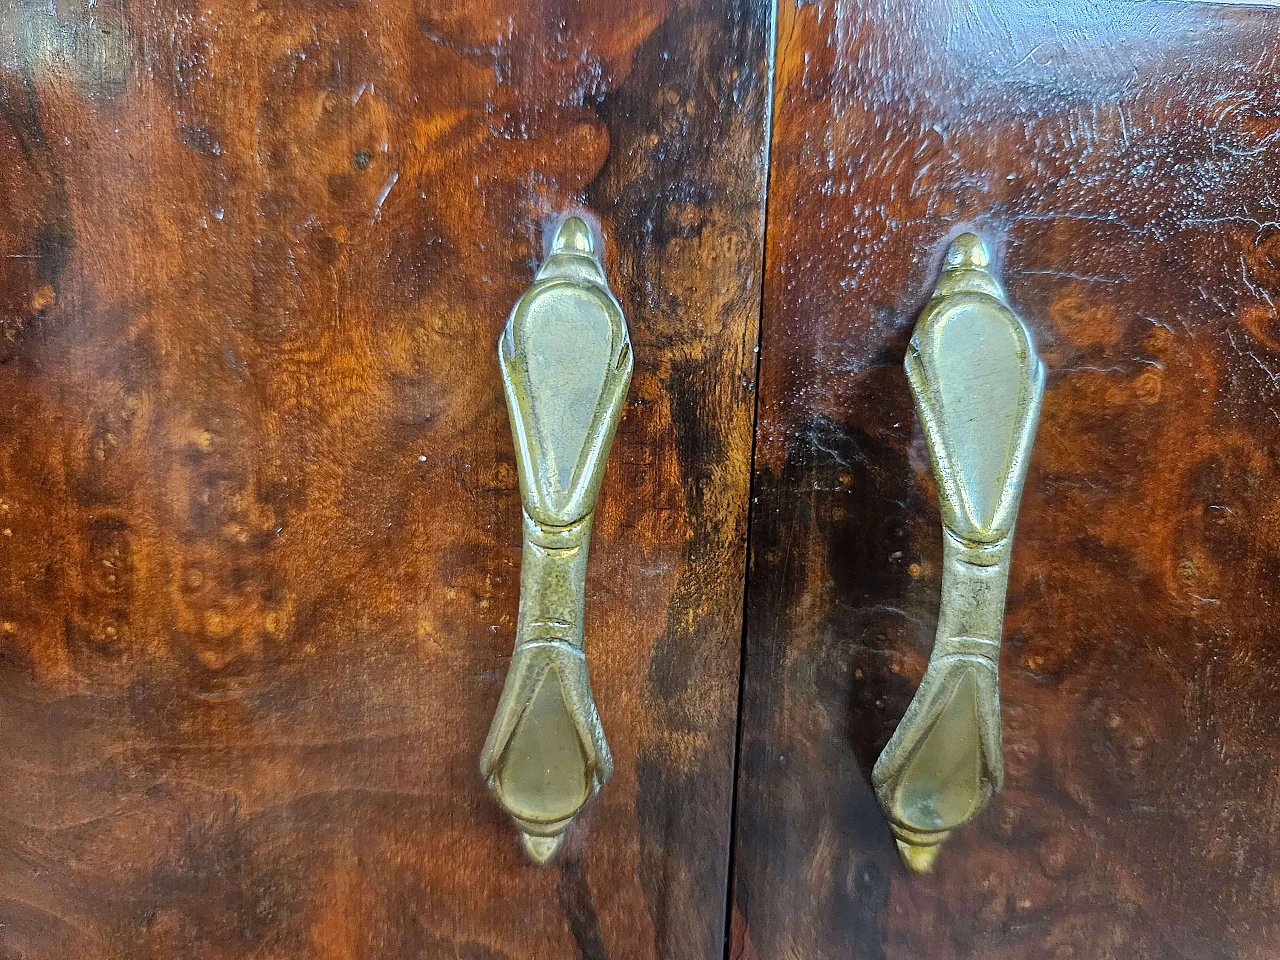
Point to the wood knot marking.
(108, 635)
(43, 299)
(109, 557)
(1188, 572)
(1148, 387)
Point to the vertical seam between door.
(770, 107)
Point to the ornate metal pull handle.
(566, 364)
(977, 384)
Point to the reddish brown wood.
(1122, 155)
(258, 572)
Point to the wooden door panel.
(1122, 157)
(261, 529)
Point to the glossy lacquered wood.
(1121, 157)
(259, 570)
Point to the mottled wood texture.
(1123, 156)
(261, 538)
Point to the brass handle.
(977, 384)
(566, 364)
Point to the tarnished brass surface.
(566, 364)
(977, 384)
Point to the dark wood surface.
(258, 571)
(1123, 158)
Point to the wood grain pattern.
(1122, 155)
(259, 564)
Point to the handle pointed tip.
(574, 236)
(967, 251)
(541, 850)
(916, 858)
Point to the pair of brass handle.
(566, 365)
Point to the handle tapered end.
(574, 236)
(541, 850)
(918, 859)
(967, 251)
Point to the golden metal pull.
(566, 364)
(977, 384)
